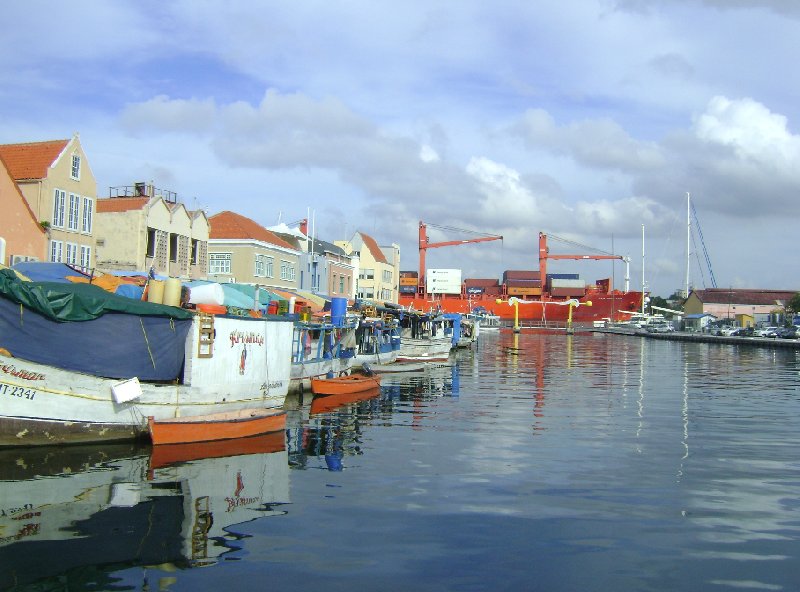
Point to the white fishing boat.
(321, 349)
(425, 338)
(79, 364)
(378, 341)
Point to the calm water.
(536, 462)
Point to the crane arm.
(459, 242)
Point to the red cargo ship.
(532, 295)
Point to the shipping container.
(480, 282)
(408, 289)
(520, 275)
(566, 283)
(475, 290)
(524, 283)
(568, 292)
(408, 281)
(413, 274)
(443, 281)
(512, 291)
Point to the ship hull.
(611, 306)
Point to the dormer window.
(76, 167)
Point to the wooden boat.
(216, 426)
(329, 403)
(340, 385)
(98, 377)
(165, 455)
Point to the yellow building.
(378, 268)
(56, 181)
(241, 250)
(140, 227)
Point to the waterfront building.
(56, 181)
(744, 306)
(325, 268)
(22, 238)
(378, 268)
(139, 227)
(241, 250)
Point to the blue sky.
(584, 119)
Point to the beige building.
(241, 250)
(744, 306)
(378, 268)
(140, 227)
(22, 238)
(56, 181)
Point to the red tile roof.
(235, 226)
(31, 160)
(121, 204)
(373, 247)
(742, 296)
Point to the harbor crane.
(544, 255)
(424, 245)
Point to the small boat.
(216, 426)
(399, 367)
(353, 383)
(330, 403)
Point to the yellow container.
(172, 292)
(155, 291)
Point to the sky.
(588, 120)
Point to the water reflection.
(81, 513)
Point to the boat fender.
(366, 369)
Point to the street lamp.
(515, 303)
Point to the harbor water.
(537, 461)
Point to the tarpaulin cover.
(77, 302)
(42, 271)
(114, 345)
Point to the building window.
(71, 254)
(366, 274)
(76, 167)
(74, 212)
(88, 212)
(173, 247)
(56, 251)
(151, 242)
(269, 270)
(59, 208)
(261, 266)
(287, 271)
(195, 251)
(341, 284)
(387, 276)
(86, 257)
(219, 263)
(366, 294)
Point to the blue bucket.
(338, 311)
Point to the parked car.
(743, 332)
(726, 331)
(792, 332)
(767, 332)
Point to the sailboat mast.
(688, 238)
(644, 288)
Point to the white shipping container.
(443, 281)
(564, 283)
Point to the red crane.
(544, 255)
(424, 245)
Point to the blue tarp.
(39, 271)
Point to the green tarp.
(77, 302)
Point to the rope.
(147, 342)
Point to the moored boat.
(353, 383)
(83, 365)
(320, 349)
(330, 403)
(216, 426)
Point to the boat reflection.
(77, 514)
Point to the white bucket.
(207, 294)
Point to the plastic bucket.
(272, 307)
(338, 311)
(172, 292)
(155, 291)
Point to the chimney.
(304, 226)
